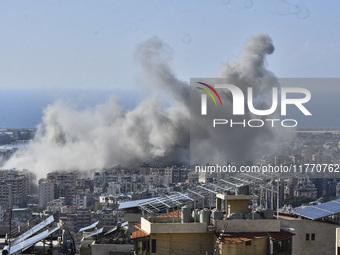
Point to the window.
(307, 237)
(313, 237)
(153, 246)
(248, 243)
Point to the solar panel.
(131, 204)
(110, 231)
(88, 227)
(312, 213)
(197, 194)
(30, 241)
(331, 207)
(34, 230)
(159, 204)
(321, 210)
(95, 232)
(115, 228)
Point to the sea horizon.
(23, 108)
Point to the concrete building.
(63, 178)
(256, 237)
(337, 188)
(314, 228)
(65, 183)
(311, 237)
(2, 215)
(46, 192)
(322, 158)
(98, 182)
(20, 216)
(19, 186)
(105, 217)
(55, 205)
(84, 218)
(180, 174)
(281, 159)
(75, 220)
(113, 188)
(6, 200)
(210, 232)
(107, 201)
(69, 222)
(103, 241)
(80, 201)
(67, 191)
(173, 238)
(337, 246)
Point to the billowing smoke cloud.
(251, 63)
(239, 143)
(109, 135)
(154, 56)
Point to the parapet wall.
(242, 225)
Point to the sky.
(91, 44)
(48, 47)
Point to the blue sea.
(23, 108)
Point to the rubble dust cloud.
(109, 134)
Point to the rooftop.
(232, 238)
(321, 210)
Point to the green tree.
(297, 201)
(98, 207)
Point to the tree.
(297, 201)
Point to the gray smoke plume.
(108, 134)
(239, 144)
(154, 56)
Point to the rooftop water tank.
(196, 215)
(205, 216)
(235, 216)
(186, 211)
(268, 214)
(249, 216)
(216, 214)
(243, 190)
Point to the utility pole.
(10, 229)
(278, 198)
(272, 196)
